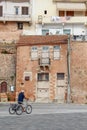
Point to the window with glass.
(45, 31)
(43, 77)
(34, 53)
(56, 52)
(60, 79)
(60, 76)
(67, 31)
(16, 10)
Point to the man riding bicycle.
(21, 97)
(20, 107)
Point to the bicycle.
(20, 108)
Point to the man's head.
(22, 91)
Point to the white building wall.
(9, 7)
(36, 8)
(39, 6)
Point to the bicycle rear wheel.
(19, 110)
(11, 110)
(28, 109)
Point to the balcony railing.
(66, 19)
(69, 1)
(13, 17)
(44, 61)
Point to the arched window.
(3, 87)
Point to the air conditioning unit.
(40, 18)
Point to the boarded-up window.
(1, 10)
(56, 52)
(24, 10)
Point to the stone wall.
(9, 33)
(79, 72)
(7, 66)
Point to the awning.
(71, 6)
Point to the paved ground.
(46, 117)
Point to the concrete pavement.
(46, 117)
(50, 108)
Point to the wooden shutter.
(24, 10)
(1, 10)
(61, 13)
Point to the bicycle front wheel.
(19, 110)
(11, 110)
(28, 109)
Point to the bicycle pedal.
(24, 110)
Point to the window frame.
(55, 51)
(19, 25)
(16, 10)
(24, 10)
(34, 51)
(43, 77)
(60, 76)
(45, 52)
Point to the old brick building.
(41, 68)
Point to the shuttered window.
(56, 52)
(34, 53)
(24, 10)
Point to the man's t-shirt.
(20, 97)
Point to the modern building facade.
(62, 17)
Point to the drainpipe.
(68, 71)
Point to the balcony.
(69, 1)
(66, 19)
(13, 17)
(44, 61)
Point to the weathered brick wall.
(79, 72)
(9, 32)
